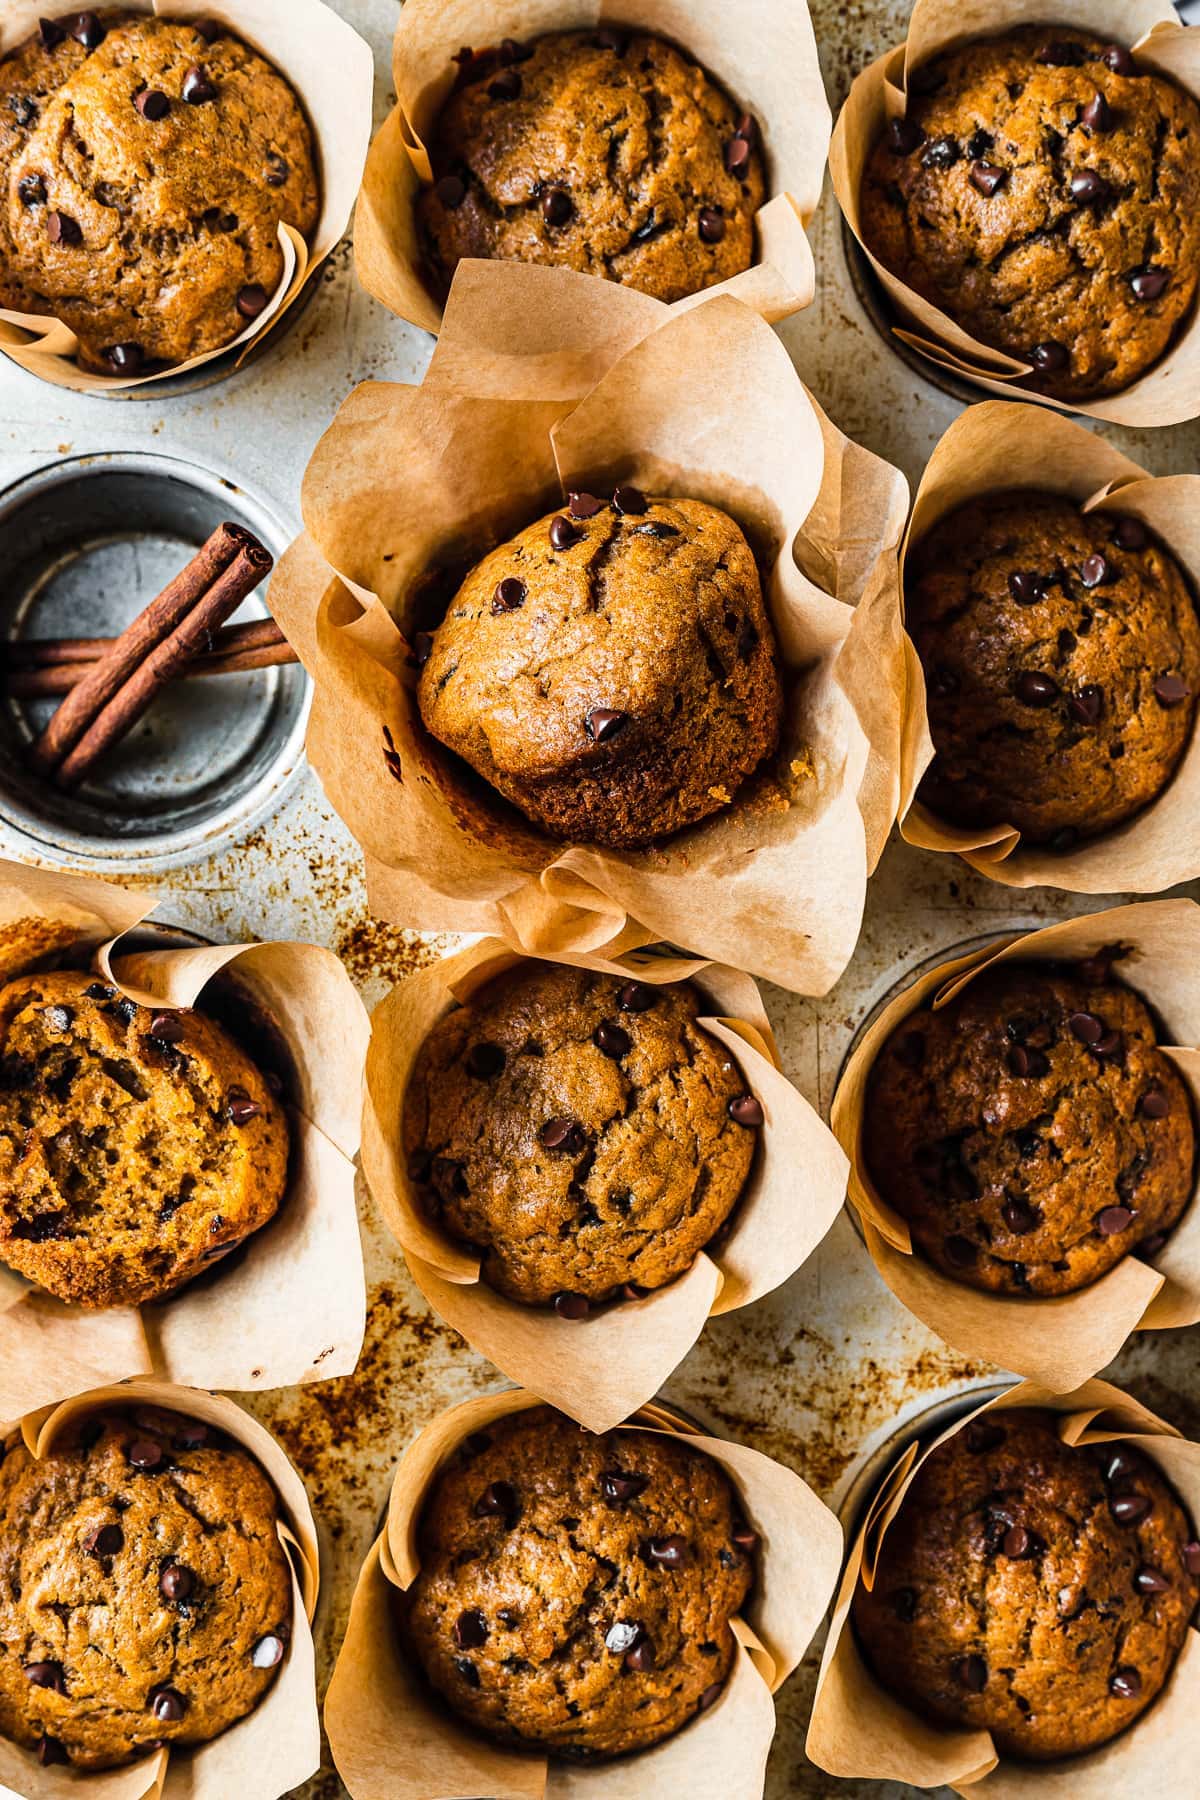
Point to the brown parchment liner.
(291, 1307)
(1169, 393)
(333, 72)
(992, 447)
(860, 1730)
(276, 1746)
(702, 402)
(600, 1370)
(1061, 1341)
(392, 1738)
(763, 53)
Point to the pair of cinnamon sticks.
(177, 634)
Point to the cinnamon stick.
(79, 712)
(61, 677)
(43, 653)
(168, 656)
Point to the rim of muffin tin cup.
(109, 839)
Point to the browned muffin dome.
(136, 1147)
(581, 1131)
(1030, 1131)
(576, 1591)
(608, 152)
(1061, 653)
(1043, 189)
(146, 165)
(1035, 1591)
(611, 670)
(145, 1596)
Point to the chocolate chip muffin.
(1061, 652)
(608, 151)
(1035, 1591)
(1030, 1132)
(611, 670)
(1043, 189)
(582, 1132)
(136, 1147)
(575, 1591)
(145, 1596)
(146, 165)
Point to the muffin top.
(611, 670)
(1030, 1131)
(136, 1147)
(581, 1131)
(1043, 189)
(1061, 652)
(145, 165)
(607, 151)
(145, 1596)
(1035, 1591)
(575, 1591)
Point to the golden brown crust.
(1035, 213)
(139, 1555)
(172, 219)
(129, 1161)
(1061, 652)
(1026, 1589)
(630, 687)
(1030, 1132)
(575, 1591)
(613, 157)
(651, 1171)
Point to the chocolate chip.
(710, 1696)
(621, 1636)
(145, 1454)
(1126, 1683)
(1095, 571)
(49, 1750)
(562, 533)
(1154, 1103)
(1150, 1581)
(167, 1027)
(508, 1617)
(630, 501)
(940, 153)
(1020, 1217)
(467, 1670)
(268, 1652)
(1112, 1045)
(572, 1306)
(737, 155)
(1113, 1219)
(1097, 115)
(1026, 587)
(46, 1675)
(124, 359)
(209, 29)
(61, 228)
(507, 86)
(987, 179)
(618, 1485)
(1117, 58)
(1017, 1543)
(1062, 54)
(513, 52)
(711, 225)
(642, 1658)
(23, 110)
(197, 89)
(904, 136)
(470, 1630)
(58, 1018)
(252, 300)
(1086, 1027)
(743, 1535)
(422, 647)
(239, 1107)
(1049, 356)
(176, 1582)
(278, 170)
(563, 1134)
(498, 1500)
(1087, 186)
(609, 39)
(1120, 1465)
(1023, 1062)
(960, 1251)
(746, 1109)
(582, 505)
(31, 190)
(1131, 1508)
(557, 206)
(1086, 705)
(982, 1435)
(1169, 690)
(484, 1061)
(509, 595)
(87, 30)
(669, 1552)
(167, 1704)
(636, 997)
(613, 1039)
(603, 723)
(152, 103)
(105, 1540)
(1191, 1557)
(1129, 533)
(51, 34)
(971, 1672)
(1032, 688)
(451, 191)
(191, 1435)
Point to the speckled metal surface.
(821, 1371)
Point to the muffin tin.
(812, 1373)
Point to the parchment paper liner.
(292, 1307)
(992, 447)
(393, 1739)
(763, 53)
(332, 70)
(496, 430)
(1059, 1342)
(276, 1746)
(602, 1369)
(859, 1730)
(1168, 393)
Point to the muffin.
(1030, 1132)
(583, 1133)
(576, 1591)
(1061, 652)
(146, 164)
(1029, 1589)
(611, 670)
(145, 1596)
(136, 1147)
(608, 152)
(1043, 189)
